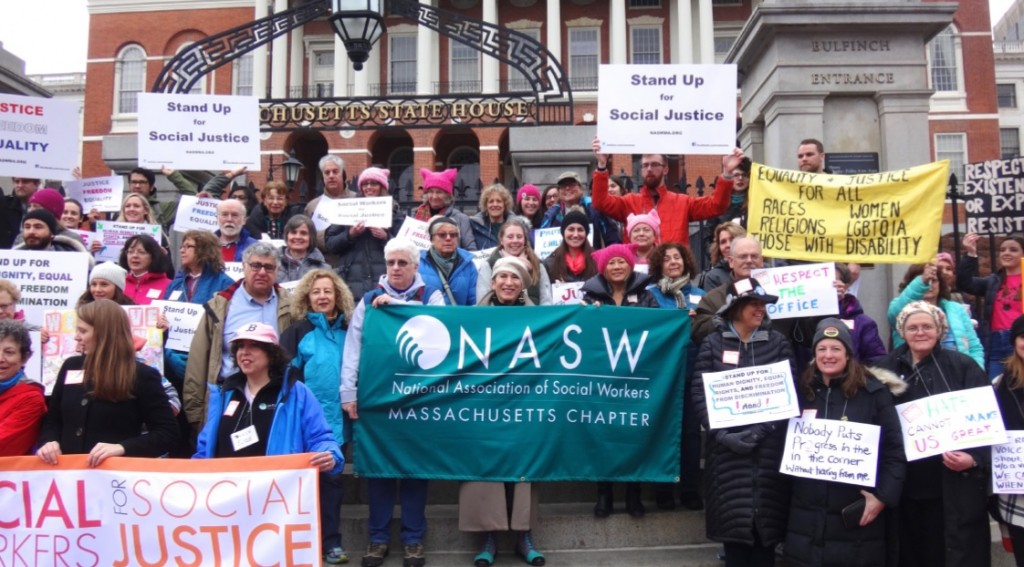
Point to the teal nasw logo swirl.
(423, 342)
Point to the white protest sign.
(750, 395)
(196, 214)
(192, 131)
(371, 211)
(416, 231)
(649, 109)
(483, 254)
(1008, 464)
(546, 240)
(829, 449)
(87, 236)
(39, 137)
(276, 243)
(47, 280)
(951, 421)
(182, 321)
(807, 290)
(114, 234)
(566, 293)
(101, 193)
(234, 269)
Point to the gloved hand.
(742, 442)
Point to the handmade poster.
(104, 194)
(566, 293)
(39, 138)
(805, 290)
(993, 196)
(830, 449)
(198, 131)
(952, 421)
(1008, 464)
(754, 394)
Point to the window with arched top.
(129, 79)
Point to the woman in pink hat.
(438, 200)
(644, 231)
(529, 205)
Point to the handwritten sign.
(950, 422)
(567, 293)
(750, 395)
(47, 280)
(113, 235)
(806, 290)
(196, 214)
(889, 217)
(416, 231)
(182, 320)
(828, 449)
(371, 211)
(101, 193)
(234, 269)
(1008, 464)
(130, 511)
(645, 109)
(994, 196)
(39, 137)
(193, 131)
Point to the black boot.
(634, 506)
(664, 496)
(604, 500)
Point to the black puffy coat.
(259, 222)
(597, 289)
(743, 490)
(964, 494)
(360, 259)
(817, 535)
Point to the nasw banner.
(130, 512)
(521, 393)
(887, 218)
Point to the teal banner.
(521, 394)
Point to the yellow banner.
(885, 218)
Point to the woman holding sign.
(747, 497)
(942, 513)
(1001, 290)
(1010, 395)
(836, 523)
(105, 403)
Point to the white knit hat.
(111, 272)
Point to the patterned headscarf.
(922, 307)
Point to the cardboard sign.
(994, 196)
(416, 231)
(1008, 464)
(39, 137)
(566, 293)
(196, 214)
(957, 420)
(104, 194)
(750, 395)
(113, 235)
(829, 449)
(182, 319)
(371, 211)
(657, 109)
(194, 131)
(807, 290)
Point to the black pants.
(743, 555)
(922, 533)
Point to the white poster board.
(48, 280)
(657, 109)
(104, 194)
(39, 138)
(952, 421)
(182, 321)
(114, 234)
(829, 449)
(806, 290)
(196, 214)
(416, 231)
(371, 211)
(194, 131)
(1008, 464)
(546, 240)
(750, 395)
(236, 270)
(563, 293)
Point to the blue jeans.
(412, 496)
(332, 491)
(999, 348)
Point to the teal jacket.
(299, 425)
(960, 325)
(316, 346)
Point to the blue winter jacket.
(298, 427)
(316, 347)
(245, 240)
(210, 282)
(960, 325)
(462, 280)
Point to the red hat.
(443, 180)
(50, 200)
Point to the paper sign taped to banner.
(962, 419)
(754, 394)
(829, 449)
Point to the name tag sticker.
(232, 406)
(243, 438)
(153, 293)
(731, 357)
(175, 295)
(74, 377)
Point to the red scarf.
(575, 263)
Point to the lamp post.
(291, 167)
(359, 24)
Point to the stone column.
(682, 32)
(706, 32)
(259, 57)
(298, 53)
(617, 31)
(426, 58)
(279, 58)
(341, 66)
(554, 31)
(490, 72)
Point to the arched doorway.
(309, 146)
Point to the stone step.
(669, 556)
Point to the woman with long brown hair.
(105, 403)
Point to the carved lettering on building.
(844, 45)
(365, 113)
(843, 79)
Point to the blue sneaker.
(335, 556)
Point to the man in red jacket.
(675, 209)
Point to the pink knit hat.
(651, 219)
(374, 174)
(50, 200)
(527, 190)
(625, 251)
(444, 180)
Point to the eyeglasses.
(186, 246)
(651, 165)
(915, 329)
(446, 235)
(741, 174)
(399, 263)
(256, 267)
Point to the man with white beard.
(234, 239)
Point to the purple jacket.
(867, 344)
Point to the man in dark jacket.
(13, 208)
(744, 257)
